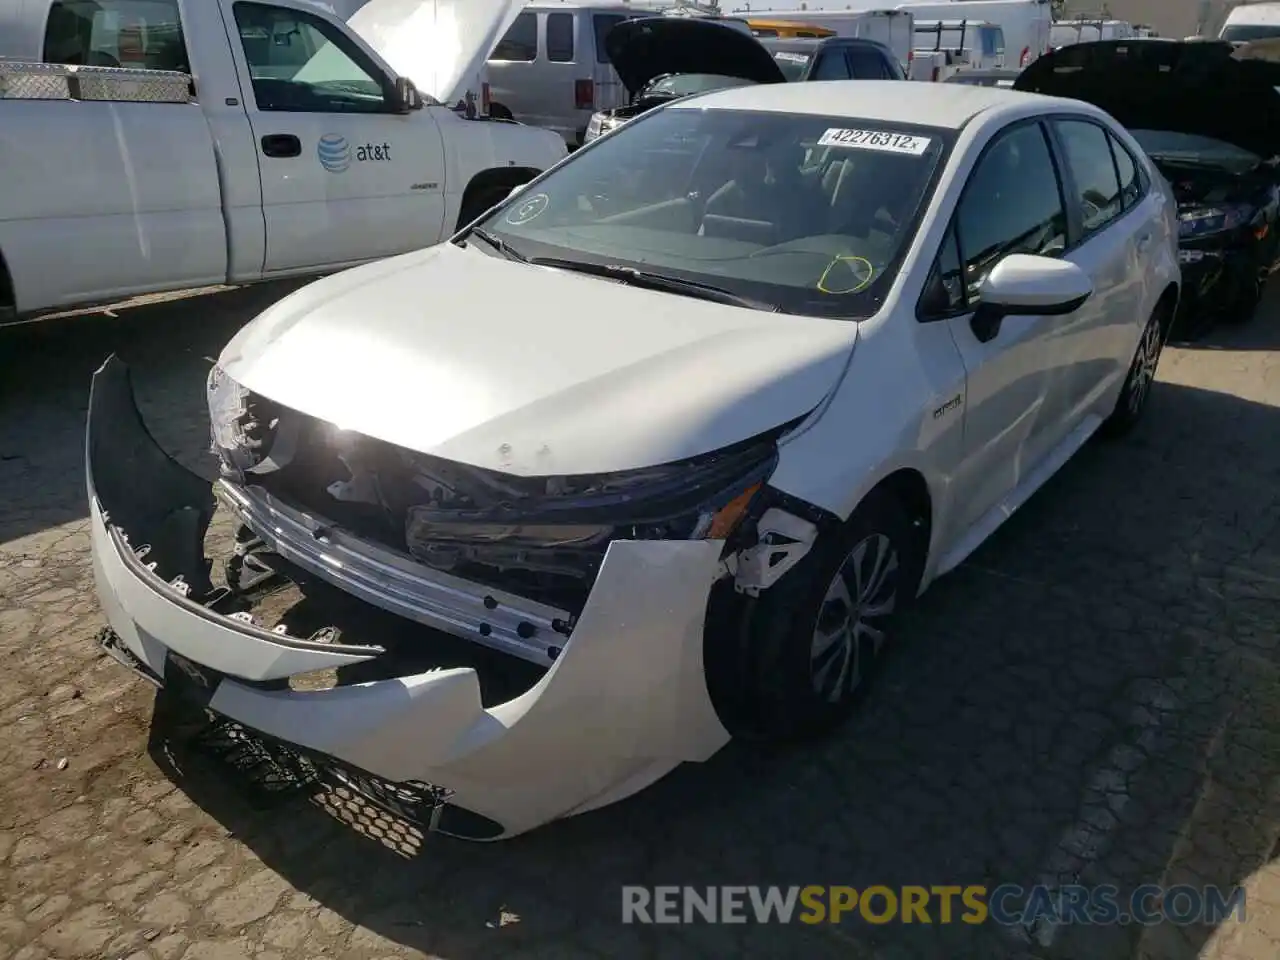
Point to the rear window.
(867, 65)
(993, 42)
(560, 37)
(145, 34)
(603, 23)
(520, 42)
(792, 65)
(809, 213)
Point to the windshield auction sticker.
(875, 140)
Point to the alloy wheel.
(1145, 362)
(850, 628)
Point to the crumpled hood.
(1200, 88)
(531, 370)
(438, 44)
(643, 49)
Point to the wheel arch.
(492, 178)
(1168, 302)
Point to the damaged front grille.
(542, 538)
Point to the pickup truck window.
(300, 64)
(145, 34)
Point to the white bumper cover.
(624, 703)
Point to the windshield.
(1237, 32)
(1189, 147)
(687, 84)
(792, 65)
(810, 214)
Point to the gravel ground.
(1092, 695)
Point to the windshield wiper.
(497, 243)
(658, 281)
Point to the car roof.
(944, 105)
(805, 44)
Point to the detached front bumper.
(624, 702)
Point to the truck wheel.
(812, 639)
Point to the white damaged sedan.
(676, 431)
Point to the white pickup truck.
(165, 144)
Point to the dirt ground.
(1093, 695)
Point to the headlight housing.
(241, 424)
(559, 522)
(1207, 220)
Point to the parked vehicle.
(551, 69)
(1186, 104)
(969, 45)
(785, 30)
(246, 141)
(1067, 32)
(784, 355)
(891, 28)
(985, 78)
(1253, 21)
(1026, 23)
(835, 58)
(930, 65)
(661, 59)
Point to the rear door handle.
(281, 145)
(1144, 241)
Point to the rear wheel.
(1142, 373)
(812, 640)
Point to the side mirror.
(408, 98)
(1028, 285)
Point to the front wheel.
(812, 639)
(1142, 373)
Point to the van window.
(992, 42)
(603, 23)
(144, 34)
(520, 42)
(560, 37)
(1238, 32)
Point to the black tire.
(1142, 372)
(480, 202)
(793, 692)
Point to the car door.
(1110, 244)
(344, 177)
(1012, 203)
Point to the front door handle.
(1144, 241)
(281, 145)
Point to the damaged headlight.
(241, 424)
(704, 497)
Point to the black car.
(660, 59)
(834, 58)
(1208, 114)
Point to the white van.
(971, 45)
(893, 28)
(1254, 21)
(1065, 33)
(1025, 23)
(550, 69)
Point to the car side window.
(944, 293)
(560, 37)
(298, 63)
(831, 66)
(140, 34)
(1011, 204)
(1127, 167)
(520, 43)
(1088, 154)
